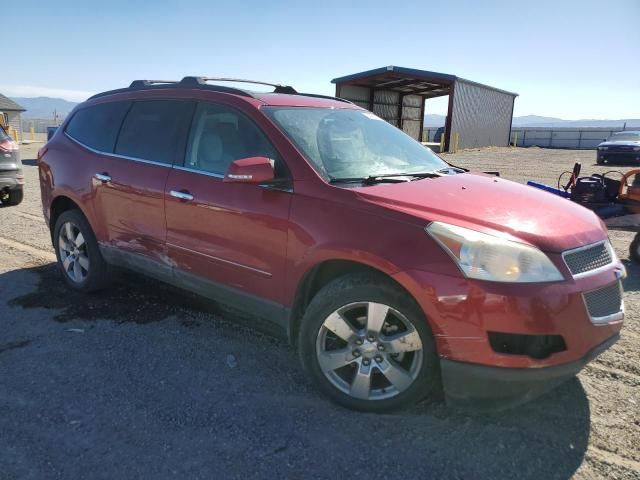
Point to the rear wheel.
(15, 196)
(367, 345)
(77, 251)
(634, 249)
(12, 197)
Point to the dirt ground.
(143, 381)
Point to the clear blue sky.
(570, 59)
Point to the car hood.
(486, 203)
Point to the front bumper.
(609, 156)
(494, 388)
(462, 312)
(466, 316)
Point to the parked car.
(11, 177)
(438, 134)
(50, 132)
(620, 147)
(394, 273)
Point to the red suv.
(395, 273)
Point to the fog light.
(534, 346)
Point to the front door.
(227, 237)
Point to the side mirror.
(250, 170)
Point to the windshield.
(3, 135)
(353, 143)
(625, 137)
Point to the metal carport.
(478, 114)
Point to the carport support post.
(422, 139)
(448, 121)
(400, 100)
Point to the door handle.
(182, 195)
(103, 177)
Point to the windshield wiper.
(451, 168)
(370, 180)
(385, 177)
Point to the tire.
(15, 197)
(79, 261)
(362, 298)
(600, 161)
(634, 249)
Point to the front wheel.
(367, 345)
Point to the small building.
(10, 113)
(478, 115)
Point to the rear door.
(129, 188)
(231, 235)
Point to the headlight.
(636, 149)
(603, 148)
(486, 257)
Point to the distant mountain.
(549, 122)
(528, 120)
(43, 107)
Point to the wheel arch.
(321, 274)
(61, 204)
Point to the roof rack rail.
(203, 81)
(148, 83)
(186, 82)
(328, 97)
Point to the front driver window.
(220, 135)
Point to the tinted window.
(625, 136)
(97, 126)
(155, 130)
(220, 135)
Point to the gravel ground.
(144, 381)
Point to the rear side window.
(155, 130)
(97, 126)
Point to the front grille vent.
(604, 302)
(586, 259)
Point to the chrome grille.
(604, 302)
(621, 148)
(585, 259)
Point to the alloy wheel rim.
(73, 252)
(369, 351)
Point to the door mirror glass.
(250, 170)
